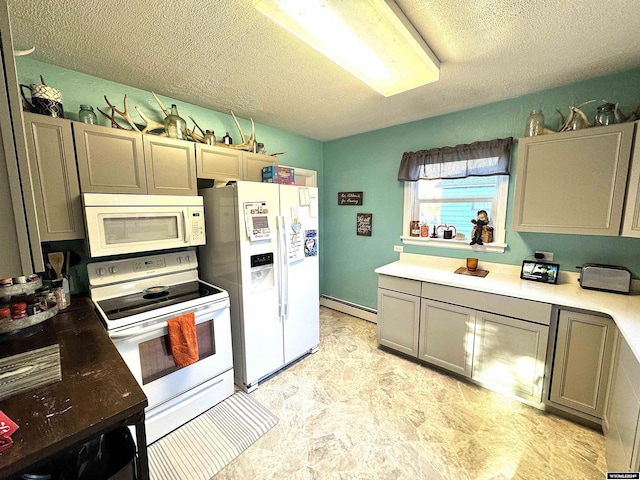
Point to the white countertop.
(505, 280)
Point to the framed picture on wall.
(364, 222)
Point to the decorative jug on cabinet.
(45, 100)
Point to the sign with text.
(350, 198)
(364, 222)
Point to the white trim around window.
(498, 221)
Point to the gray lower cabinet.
(446, 336)
(620, 421)
(399, 314)
(509, 355)
(443, 326)
(54, 177)
(582, 361)
(122, 161)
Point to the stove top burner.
(129, 305)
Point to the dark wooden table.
(97, 393)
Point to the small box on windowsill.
(275, 174)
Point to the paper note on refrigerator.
(295, 252)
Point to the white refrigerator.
(262, 247)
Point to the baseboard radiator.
(350, 308)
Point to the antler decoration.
(565, 124)
(153, 125)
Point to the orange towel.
(183, 340)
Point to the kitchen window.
(447, 186)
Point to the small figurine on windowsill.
(481, 221)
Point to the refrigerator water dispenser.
(262, 275)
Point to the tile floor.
(353, 411)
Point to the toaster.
(608, 278)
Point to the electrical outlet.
(548, 256)
(398, 248)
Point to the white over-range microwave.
(121, 223)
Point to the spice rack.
(29, 287)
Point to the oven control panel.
(107, 272)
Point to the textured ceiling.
(228, 56)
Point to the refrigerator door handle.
(281, 233)
(284, 268)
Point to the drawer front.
(398, 284)
(537, 312)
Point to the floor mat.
(205, 445)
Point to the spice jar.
(5, 315)
(18, 311)
(60, 297)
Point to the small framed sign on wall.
(350, 198)
(364, 223)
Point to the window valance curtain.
(476, 159)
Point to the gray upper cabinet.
(122, 161)
(582, 360)
(631, 221)
(228, 164)
(253, 163)
(573, 182)
(19, 239)
(170, 166)
(54, 177)
(109, 160)
(218, 162)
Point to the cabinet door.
(623, 411)
(631, 221)
(582, 361)
(509, 355)
(109, 160)
(54, 177)
(398, 321)
(573, 182)
(253, 163)
(170, 166)
(218, 162)
(446, 336)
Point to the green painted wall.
(78, 88)
(369, 163)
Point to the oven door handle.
(135, 331)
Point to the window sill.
(492, 247)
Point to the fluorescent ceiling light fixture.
(371, 39)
